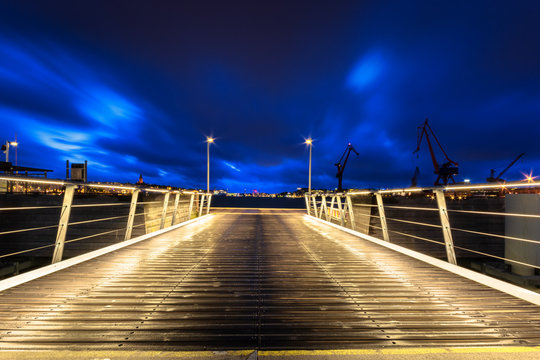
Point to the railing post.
(323, 206)
(190, 209)
(131, 216)
(351, 214)
(176, 201)
(208, 201)
(329, 217)
(326, 211)
(382, 216)
(308, 205)
(445, 223)
(341, 214)
(201, 205)
(63, 223)
(314, 202)
(164, 210)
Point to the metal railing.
(472, 225)
(103, 222)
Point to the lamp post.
(5, 148)
(209, 140)
(309, 142)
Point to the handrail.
(484, 186)
(29, 208)
(15, 178)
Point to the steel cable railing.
(98, 220)
(494, 213)
(27, 251)
(368, 215)
(498, 257)
(27, 230)
(415, 223)
(418, 223)
(375, 227)
(496, 235)
(158, 209)
(96, 205)
(93, 235)
(417, 237)
(409, 208)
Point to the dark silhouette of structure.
(341, 166)
(448, 169)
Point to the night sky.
(134, 87)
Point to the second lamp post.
(209, 140)
(309, 142)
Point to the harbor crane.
(448, 169)
(491, 177)
(341, 166)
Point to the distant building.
(7, 168)
(79, 172)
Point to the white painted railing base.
(493, 283)
(49, 269)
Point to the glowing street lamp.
(209, 140)
(309, 142)
(6, 146)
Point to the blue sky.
(135, 86)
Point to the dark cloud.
(135, 86)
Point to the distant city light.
(467, 181)
(529, 178)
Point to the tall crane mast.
(341, 167)
(448, 169)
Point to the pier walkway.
(254, 282)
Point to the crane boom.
(448, 169)
(498, 178)
(432, 153)
(341, 167)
